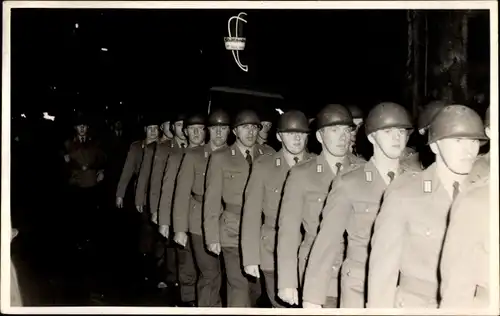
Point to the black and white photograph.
(226, 156)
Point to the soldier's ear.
(434, 147)
(278, 136)
(319, 137)
(234, 132)
(371, 138)
(487, 131)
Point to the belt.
(197, 197)
(358, 254)
(418, 286)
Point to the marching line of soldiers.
(317, 230)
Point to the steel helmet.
(293, 121)
(356, 111)
(387, 115)
(428, 113)
(456, 121)
(246, 117)
(218, 117)
(334, 114)
(195, 119)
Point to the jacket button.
(428, 233)
(334, 268)
(319, 199)
(203, 173)
(401, 304)
(348, 273)
(367, 210)
(276, 190)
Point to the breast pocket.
(313, 205)
(364, 218)
(273, 196)
(233, 180)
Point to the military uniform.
(304, 197)
(263, 196)
(187, 217)
(131, 167)
(351, 206)
(227, 178)
(465, 259)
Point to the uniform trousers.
(187, 273)
(210, 278)
(241, 292)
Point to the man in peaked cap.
(227, 176)
(187, 210)
(304, 196)
(194, 128)
(263, 196)
(465, 281)
(412, 221)
(352, 206)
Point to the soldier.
(267, 123)
(304, 196)
(465, 257)
(426, 115)
(227, 177)
(263, 196)
(352, 206)
(195, 129)
(411, 225)
(187, 211)
(358, 119)
(167, 135)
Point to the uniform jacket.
(131, 167)
(305, 191)
(466, 256)
(143, 180)
(227, 178)
(263, 197)
(408, 237)
(352, 205)
(169, 182)
(86, 159)
(188, 202)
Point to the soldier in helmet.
(263, 197)
(425, 117)
(465, 256)
(227, 177)
(187, 210)
(266, 123)
(352, 206)
(411, 224)
(358, 119)
(195, 130)
(166, 130)
(304, 196)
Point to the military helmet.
(387, 115)
(179, 117)
(487, 118)
(456, 121)
(195, 119)
(428, 113)
(246, 117)
(218, 117)
(293, 121)
(150, 120)
(356, 111)
(81, 119)
(334, 114)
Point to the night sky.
(158, 58)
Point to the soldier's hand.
(119, 202)
(164, 231)
(139, 208)
(290, 296)
(252, 270)
(154, 217)
(310, 305)
(181, 238)
(66, 158)
(215, 248)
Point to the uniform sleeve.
(252, 216)
(327, 247)
(213, 200)
(385, 256)
(185, 181)
(157, 179)
(289, 233)
(143, 179)
(128, 171)
(167, 191)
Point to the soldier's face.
(266, 127)
(152, 131)
(218, 134)
(82, 129)
(294, 143)
(392, 141)
(335, 139)
(118, 126)
(196, 134)
(247, 134)
(458, 154)
(178, 129)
